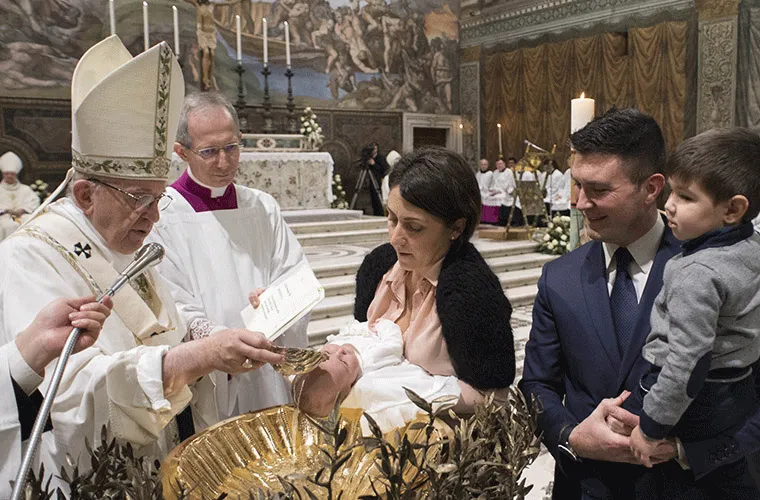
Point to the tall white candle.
(499, 127)
(112, 17)
(176, 30)
(581, 112)
(266, 49)
(239, 45)
(145, 25)
(287, 44)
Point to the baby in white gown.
(367, 369)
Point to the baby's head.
(715, 182)
(317, 391)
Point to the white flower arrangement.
(40, 188)
(310, 128)
(339, 194)
(557, 236)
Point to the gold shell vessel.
(250, 451)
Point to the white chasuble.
(10, 428)
(214, 259)
(118, 382)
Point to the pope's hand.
(230, 350)
(253, 297)
(44, 339)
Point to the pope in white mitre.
(139, 375)
(17, 200)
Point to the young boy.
(706, 320)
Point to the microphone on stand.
(148, 256)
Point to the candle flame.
(145, 4)
(583, 95)
(498, 125)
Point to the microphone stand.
(148, 256)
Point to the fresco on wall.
(351, 54)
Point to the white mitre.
(392, 157)
(125, 111)
(10, 162)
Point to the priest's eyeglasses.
(142, 202)
(212, 152)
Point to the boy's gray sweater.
(707, 316)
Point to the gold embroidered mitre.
(125, 111)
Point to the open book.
(294, 295)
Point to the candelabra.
(267, 114)
(241, 89)
(240, 104)
(292, 126)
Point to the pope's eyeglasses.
(212, 152)
(142, 202)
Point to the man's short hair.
(201, 101)
(629, 134)
(723, 162)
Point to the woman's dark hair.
(440, 182)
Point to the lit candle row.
(146, 37)
(238, 33)
(266, 41)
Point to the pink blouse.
(424, 344)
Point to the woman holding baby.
(433, 283)
(428, 296)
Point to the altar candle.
(581, 112)
(499, 126)
(145, 25)
(266, 49)
(287, 44)
(112, 17)
(176, 30)
(239, 45)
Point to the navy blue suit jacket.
(572, 361)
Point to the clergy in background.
(139, 374)
(224, 242)
(17, 200)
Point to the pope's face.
(10, 177)
(212, 128)
(113, 213)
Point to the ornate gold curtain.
(529, 90)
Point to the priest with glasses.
(224, 244)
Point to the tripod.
(374, 189)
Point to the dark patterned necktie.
(623, 300)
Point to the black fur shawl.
(473, 310)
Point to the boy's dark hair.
(724, 162)
(440, 182)
(631, 135)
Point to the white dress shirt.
(643, 251)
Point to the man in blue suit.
(591, 318)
